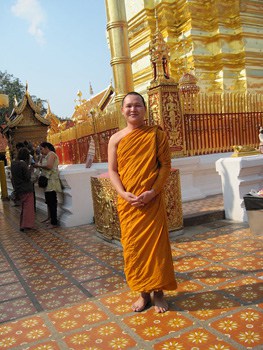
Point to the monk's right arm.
(113, 167)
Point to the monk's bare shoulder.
(116, 138)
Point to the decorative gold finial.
(90, 89)
(15, 101)
(79, 99)
(48, 108)
(159, 55)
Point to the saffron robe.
(144, 163)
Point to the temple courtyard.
(65, 288)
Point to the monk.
(139, 164)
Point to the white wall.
(198, 175)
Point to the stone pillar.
(117, 28)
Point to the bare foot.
(160, 303)
(141, 303)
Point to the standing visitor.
(139, 164)
(49, 168)
(23, 187)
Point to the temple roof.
(100, 101)
(17, 113)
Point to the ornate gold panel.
(105, 205)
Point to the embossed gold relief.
(105, 208)
(105, 205)
(221, 40)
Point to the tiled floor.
(65, 289)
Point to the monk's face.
(133, 110)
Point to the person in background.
(19, 145)
(49, 168)
(139, 163)
(21, 180)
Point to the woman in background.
(49, 168)
(23, 187)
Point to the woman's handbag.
(42, 181)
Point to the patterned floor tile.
(108, 336)
(150, 325)
(13, 309)
(248, 290)
(189, 263)
(220, 254)
(8, 277)
(48, 282)
(185, 285)
(23, 332)
(90, 272)
(205, 305)
(197, 339)
(11, 291)
(245, 327)
(105, 285)
(121, 302)
(34, 271)
(214, 275)
(246, 263)
(194, 246)
(60, 297)
(247, 246)
(4, 266)
(77, 316)
(49, 345)
(29, 261)
(65, 272)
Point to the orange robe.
(144, 163)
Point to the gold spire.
(90, 89)
(26, 88)
(159, 55)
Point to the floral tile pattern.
(76, 317)
(109, 336)
(66, 289)
(23, 332)
(245, 327)
(151, 325)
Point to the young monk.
(139, 164)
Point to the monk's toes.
(161, 310)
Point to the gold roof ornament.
(187, 84)
(15, 101)
(159, 56)
(90, 89)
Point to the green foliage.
(12, 87)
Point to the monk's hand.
(146, 196)
(132, 199)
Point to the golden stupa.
(221, 40)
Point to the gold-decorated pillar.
(117, 28)
(163, 96)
